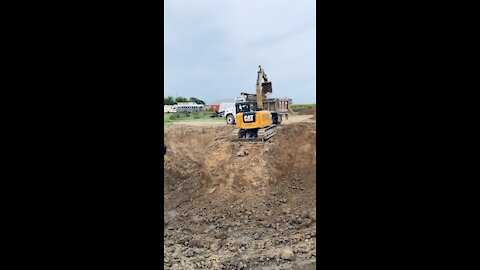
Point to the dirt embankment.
(309, 111)
(240, 205)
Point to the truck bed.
(280, 105)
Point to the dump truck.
(219, 107)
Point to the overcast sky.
(213, 48)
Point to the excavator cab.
(245, 107)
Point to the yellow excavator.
(252, 122)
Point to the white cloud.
(213, 47)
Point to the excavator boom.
(259, 89)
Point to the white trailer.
(170, 108)
(188, 107)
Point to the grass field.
(299, 107)
(168, 118)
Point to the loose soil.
(308, 111)
(240, 205)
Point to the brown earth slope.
(240, 205)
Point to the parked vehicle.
(219, 106)
(170, 108)
(231, 111)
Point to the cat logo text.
(248, 118)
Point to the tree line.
(171, 100)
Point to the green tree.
(168, 100)
(196, 100)
(181, 99)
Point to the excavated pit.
(231, 205)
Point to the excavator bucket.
(266, 88)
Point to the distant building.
(189, 107)
(170, 108)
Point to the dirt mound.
(206, 153)
(233, 205)
(308, 111)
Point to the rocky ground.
(240, 205)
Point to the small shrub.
(183, 114)
(173, 116)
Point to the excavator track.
(262, 135)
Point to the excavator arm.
(263, 87)
(259, 89)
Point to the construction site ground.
(221, 122)
(237, 205)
